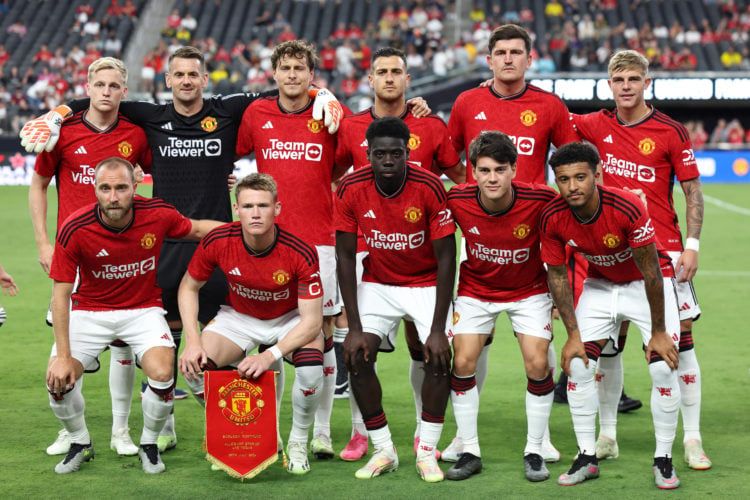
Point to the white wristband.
(692, 244)
(276, 352)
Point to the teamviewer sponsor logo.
(124, 271)
(628, 169)
(609, 260)
(190, 148)
(499, 256)
(85, 175)
(394, 241)
(291, 150)
(524, 145)
(259, 295)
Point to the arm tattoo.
(562, 295)
(648, 262)
(693, 207)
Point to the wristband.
(276, 352)
(692, 244)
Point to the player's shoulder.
(81, 218)
(556, 207)
(474, 93)
(539, 93)
(463, 191)
(154, 203)
(288, 240)
(534, 192)
(354, 179)
(431, 120)
(669, 124)
(73, 121)
(364, 116)
(426, 179)
(621, 201)
(221, 233)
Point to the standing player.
(297, 151)
(86, 139)
(533, 118)
(503, 273)
(192, 142)
(402, 212)
(113, 246)
(275, 298)
(429, 148)
(629, 279)
(644, 149)
(9, 287)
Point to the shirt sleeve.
(309, 285)
(682, 157)
(446, 155)
(343, 156)
(563, 131)
(46, 162)
(343, 217)
(441, 219)
(180, 226)
(455, 126)
(641, 231)
(64, 265)
(245, 134)
(553, 249)
(202, 264)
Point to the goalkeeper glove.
(42, 133)
(326, 102)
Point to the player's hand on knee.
(61, 376)
(354, 343)
(191, 362)
(437, 353)
(572, 349)
(419, 107)
(663, 345)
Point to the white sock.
(121, 377)
(689, 378)
(538, 409)
(466, 410)
(665, 403)
(609, 380)
(416, 377)
(197, 389)
(323, 413)
(482, 367)
(339, 334)
(69, 410)
(552, 362)
(156, 409)
(306, 392)
(429, 436)
(583, 403)
(278, 368)
(381, 438)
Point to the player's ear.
(513, 170)
(646, 83)
(598, 174)
(236, 209)
(277, 209)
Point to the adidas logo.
(268, 125)
(235, 272)
(364, 143)
(608, 139)
(481, 116)
(102, 253)
(167, 126)
(572, 243)
(370, 214)
(474, 230)
(329, 303)
(166, 336)
(81, 151)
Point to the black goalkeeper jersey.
(192, 155)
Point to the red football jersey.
(533, 118)
(646, 155)
(606, 241)
(429, 143)
(504, 261)
(297, 152)
(117, 266)
(79, 150)
(398, 229)
(265, 285)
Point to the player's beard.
(117, 212)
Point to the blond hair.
(108, 63)
(628, 60)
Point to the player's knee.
(537, 366)
(160, 373)
(464, 365)
(579, 371)
(661, 374)
(309, 378)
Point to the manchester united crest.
(148, 241)
(521, 231)
(413, 214)
(125, 149)
(646, 146)
(611, 240)
(414, 142)
(528, 118)
(281, 277)
(240, 401)
(314, 126)
(209, 124)
(456, 317)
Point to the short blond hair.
(628, 59)
(108, 63)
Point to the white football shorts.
(686, 299)
(529, 316)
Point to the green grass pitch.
(28, 424)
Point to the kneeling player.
(275, 298)
(628, 279)
(116, 249)
(503, 273)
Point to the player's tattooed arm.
(562, 295)
(687, 265)
(661, 343)
(694, 206)
(437, 350)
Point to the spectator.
(189, 23)
(419, 17)
(349, 84)
(83, 12)
(698, 135)
(18, 29)
(344, 57)
(339, 33)
(4, 55)
(686, 60)
(354, 33)
(554, 9)
(112, 46)
(545, 63)
(286, 34)
(43, 55)
(731, 59)
(91, 28)
(76, 54)
(735, 133)
(128, 10)
(477, 13)
(114, 9)
(173, 22)
(719, 135)
(692, 35)
(586, 28)
(327, 55)
(526, 16)
(414, 60)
